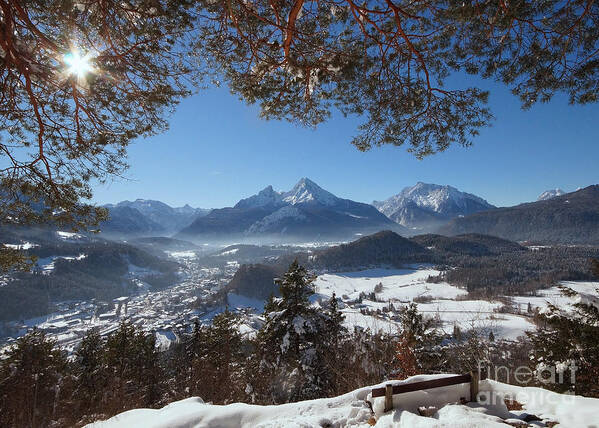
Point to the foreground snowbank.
(353, 410)
(348, 410)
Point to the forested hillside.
(91, 269)
(572, 218)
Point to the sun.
(76, 64)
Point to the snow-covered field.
(446, 304)
(397, 284)
(353, 410)
(399, 287)
(554, 296)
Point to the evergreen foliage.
(32, 377)
(415, 348)
(292, 341)
(566, 347)
(388, 61)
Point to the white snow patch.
(239, 301)
(23, 246)
(229, 252)
(69, 235)
(182, 254)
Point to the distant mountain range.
(147, 217)
(426, 207)
(306, 212)
(571, 218)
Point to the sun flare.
(76, 64)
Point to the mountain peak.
(307, 191)
(550, 194)
(425, 205)
(265, 197)
(267, 190)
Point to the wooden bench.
(390, 390)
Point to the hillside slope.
(71, 266)
(572, 218)
(382, 248)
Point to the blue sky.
(218, 151)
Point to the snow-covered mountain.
(308, 192)
(428, 206)
(144, 216)
(266, 197)
(549, 194)
(307, 211)
(304, 192)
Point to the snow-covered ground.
(354, 410)
(23, 246)
(229, 252)
(46, 264)
(182, 254)
(441, 301)
(446, 304)
(69, 236)
(554, 296)
(397, 284)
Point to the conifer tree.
(195, 349)
(457, 332)
(334, 323)
(595, 267)
(335, 335)
(224, 358)
(132, 363)
(31, 375)
(566, 346)
(183, 363)
(389, 61)
(90, 372)
(291, 343)
(417, 338)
